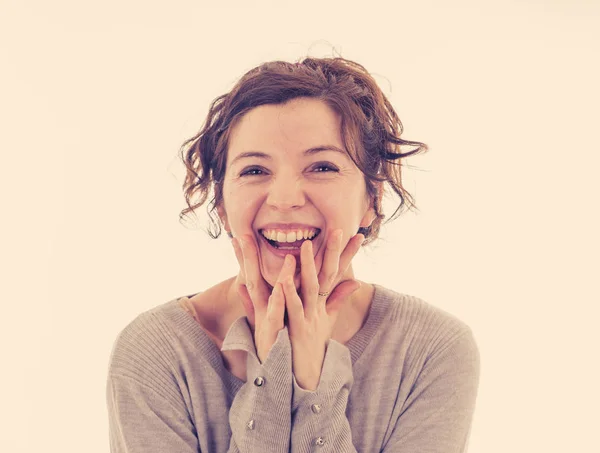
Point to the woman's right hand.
(265, 309)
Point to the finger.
(239, 256)
(248, 305)
(287, 272)
(340, 295)
(293, 303)
(238, 252)
(350, 251)
(240, 283)
(310, 280)
(276, 309)
(331, 260)
(255, 283)
(288, 269)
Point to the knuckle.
(271, 318)
(330, 279)
(313, 287)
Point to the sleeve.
(319, 421)
(437, 415)
(146, 410)
(260, 414)
(147, 413)
(143, 420)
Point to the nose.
(286, 192)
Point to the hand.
(312, 317)
(264, 309)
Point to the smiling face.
(279, 171)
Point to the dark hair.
(370, 128)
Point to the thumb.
(247, 303)
(340, 295)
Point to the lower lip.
(283, 252)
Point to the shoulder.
(427, 330)
(145, 349)
(413, 311)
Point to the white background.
(96, 100)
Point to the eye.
(249, 171)
(319, 168)
(330, 168)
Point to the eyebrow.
(308, 152)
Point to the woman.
(294, 353)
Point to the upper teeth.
(292, 236)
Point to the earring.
(229, 234)
(365, 231)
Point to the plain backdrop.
(97, 97)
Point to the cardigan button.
(320, 441)
(316, 408)
(259, 381)
(250, 424)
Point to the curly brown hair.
(370, 129)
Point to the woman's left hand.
(312, 317)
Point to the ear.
(371, 215)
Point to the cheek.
(340, 213)
(331, 198)
(241, 209)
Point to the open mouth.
(288, 245)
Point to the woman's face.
(271, 178)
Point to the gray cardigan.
(405, 383)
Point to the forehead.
(296, 125)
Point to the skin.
(291, 187)
(312, 317)
(325, 190)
